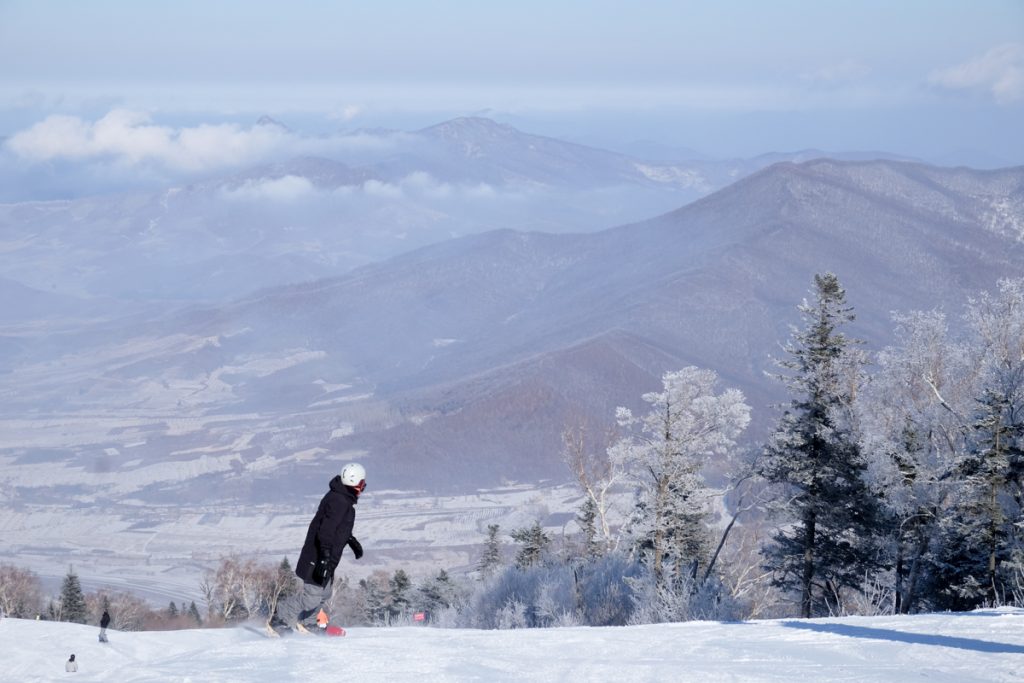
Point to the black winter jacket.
(329, 531)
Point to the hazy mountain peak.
(269, 121)
(470, 126)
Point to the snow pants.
(304, 604)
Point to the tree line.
(22, 597)
(891, 482)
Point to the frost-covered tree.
(988, 499)
(534, 543)
(285, 579)
(593, 548)
(442, 598)
(20, 592)
(912, 434)
(596, 473)
(490, 560)
(127, 611)
(280, 583)
(825, 546)
(399, 595)
(535, 596)
(664, 451)
(436, 594)
(240, 587)
(374, 593)
(985, 534)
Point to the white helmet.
(352, 474)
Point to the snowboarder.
(71, 665)
(104, 622)
(329, 532)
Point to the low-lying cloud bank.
(131, 137)
(999, 72)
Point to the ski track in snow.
(982, 646)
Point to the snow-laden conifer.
(72, 600)
(824, 547)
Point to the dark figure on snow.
(328, 534)
(104, 623)
(71, 664)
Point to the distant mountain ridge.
(458, 365)
(312, 217)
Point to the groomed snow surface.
(986, 645)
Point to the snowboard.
(332, 631)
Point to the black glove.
(321, 572)
(357, 549)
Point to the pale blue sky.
(938, 79)
(563, 42)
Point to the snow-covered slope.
(979, 646)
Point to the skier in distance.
(104, 623)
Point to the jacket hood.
(338, 487)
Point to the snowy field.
(986, 645)
(160, 553)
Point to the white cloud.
(286, 189)
(417, 186)
(1000, 71)
(130, 138)
(421, 182)
(346, 113)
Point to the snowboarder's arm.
(335, 531)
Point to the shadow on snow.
(902, 637)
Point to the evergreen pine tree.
(193, 612)
(436, 594)
(172, 610)
(987, 479)
(534, 544)
(814, 456)
(491, 558)
(375, 598)
(398, 596)
(286, 579)
(587, 520)
(72, 600)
